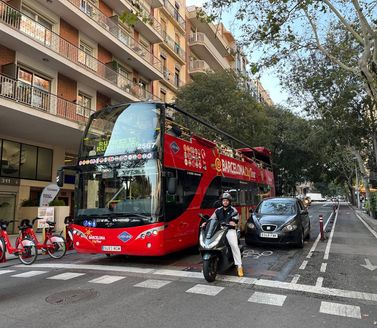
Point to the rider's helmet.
(227, 196)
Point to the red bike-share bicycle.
(67, 233)
(53, 244)
(25, 249)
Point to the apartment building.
(61, 60)
(172, 51)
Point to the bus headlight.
(150, 232)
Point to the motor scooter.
(214, 247)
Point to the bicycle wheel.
(56, 246)
(2, 249)
(27, 251)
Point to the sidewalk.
(368, 219)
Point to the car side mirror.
(60, 178)
(172, 185)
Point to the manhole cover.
(72, 296)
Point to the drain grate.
(72, 296)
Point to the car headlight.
(251, 225)
(290, 227)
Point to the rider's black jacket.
(226, 215)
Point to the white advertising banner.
(48, 194)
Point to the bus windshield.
(120, 172)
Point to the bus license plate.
(268, 235)
(111, 248)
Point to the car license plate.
(111, 248)
(268, 235)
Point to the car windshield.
(277, 207)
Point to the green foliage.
(29, 203)
(57, 202)
(371, 203)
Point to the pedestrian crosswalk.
(267, 299)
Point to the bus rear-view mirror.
(60, 178)
(172, 185)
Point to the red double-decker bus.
(142, 179)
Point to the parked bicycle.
(25, 248)
(68, 232)
(53, 244)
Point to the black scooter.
(214, 248)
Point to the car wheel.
(300, 239)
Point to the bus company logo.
(218, 165)
(125, 236)
(174, 147)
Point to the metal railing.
(174, 13)
(198, 66)
(41, 100)
(62, 47)
(145, 16)
(118, 32)
(172, 78)
(173, 45)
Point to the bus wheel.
(108, 255)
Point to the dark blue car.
(278, 221)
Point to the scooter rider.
(225, 214)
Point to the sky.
(269, 80)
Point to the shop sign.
(10, 181)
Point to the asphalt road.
(327, 283)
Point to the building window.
(33, 89)
(176, 11)
(163, 95)
(25, 161)
(84, 103)
(36, 26)
(86, 56)
(177, 46)
(88, 7)
(176, 77)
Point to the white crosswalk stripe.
(6, 271)
(152, 283)
(29, 274)
(266, 298)
(106, 279)
(66, 276)
(343, 310)
(205, 290)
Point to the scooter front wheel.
(210, 267)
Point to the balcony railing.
(173, 45)
(118, 32)
(174, 13)
(42, 100)
(198, 66)
(172, 78)
(60, 46)
(144, 11)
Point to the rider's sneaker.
(240, 271)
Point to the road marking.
(266, 298)
(374, 233)
(6, 271)
(319, 282)
(29, 274)
(205, 290)
(368, 265)
(66, 276)
(303, 265)
(106, 279)
(295, 279)
(312, 250)
(323, 267)
(343, 310)
(310, 289)
(328, 245)
(151, 283)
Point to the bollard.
(321, 227)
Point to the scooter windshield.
(211, 227)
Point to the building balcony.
(40, 115)
(25, 35)
(173, 12)
(173, 48)
(171, 81)
(156, 3)
(198, 66)
(110, 34)
(204, 49)
(146, 24)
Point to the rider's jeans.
(233, 242)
